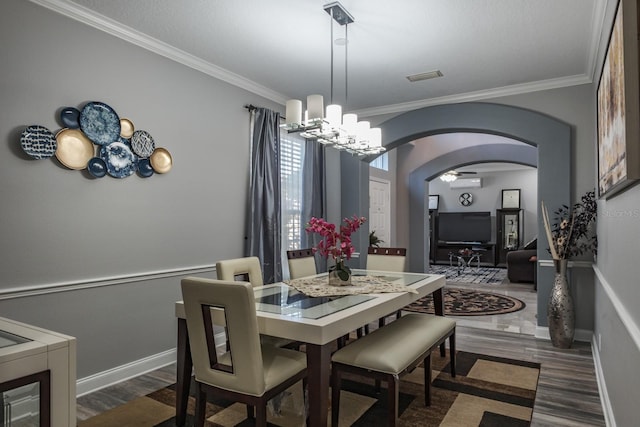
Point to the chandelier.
(343, 132)
(449, 176)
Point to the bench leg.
(393, 386)
(452, 353)
(427, 380)
(335, 396)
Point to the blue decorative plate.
(100, 123)
(38, 142)
(142, 143)
(97, 167)
(145, 169)
(70, 117)
(119, 159)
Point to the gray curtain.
(263, 228)
(313, 195)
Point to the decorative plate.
(126, 128)
(142, 143)
(145, 169)
(97, 167)
(465, 199)
(119, 159)
(38, 142)
(161, 160)
(74, 148)
(70, 117)
(100, 123)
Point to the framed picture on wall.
(511, 199)
(434, 200)
(618, 105)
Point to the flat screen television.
(464, 227)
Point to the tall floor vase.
(561, 315)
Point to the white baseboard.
(609, 417)
(121, 373)
(582, 335)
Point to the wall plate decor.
(465, 199)
(96, 138)
(161, 160)
(120, 160)
(126, 128)
(74, 148)
(145, 169)
(97, 167)
(38, 142)
(142, 143)
(511, 199)
(100, 123)
(70, 117)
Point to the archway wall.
(551, 136)
(418, 188)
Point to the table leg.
(318, 368)
(183, 375)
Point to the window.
(381, 162)
(291, 157)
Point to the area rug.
(487, 391)
(483, 275)
(469, 302)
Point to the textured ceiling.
(281, 48)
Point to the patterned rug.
(487, 391)
(486, 275)
(469, 302)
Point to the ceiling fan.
(452, 175)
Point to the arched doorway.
(551, 137)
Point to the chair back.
(302, 263)
(248, 268)
(386, 259)
(241, 368)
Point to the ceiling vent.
(466, 183)
(425, 76)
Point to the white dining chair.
(302, 263)
(249, 372)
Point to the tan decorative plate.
(161, 160)
(74, 148)
(126, 128)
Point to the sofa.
(522, 263)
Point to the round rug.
(469, 302)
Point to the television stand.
(443, 249)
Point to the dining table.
(317, 322)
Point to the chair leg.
(398, 314)
(452, 353)
(335, 396)
(427, 380)
(201, 405)
(261, 415)
(250, 413)
(393, 386)
(443, 352)
(381, 322)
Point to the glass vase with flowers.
(336, 244)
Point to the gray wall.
(132, 238)
(488, 198)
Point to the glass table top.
(280, 298)
(8, 339)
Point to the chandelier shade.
(331, 126)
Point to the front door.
(380, 209)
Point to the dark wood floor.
(567, 392)
(567, 389)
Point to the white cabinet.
(37, 375)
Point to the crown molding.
(576, 80)
(102, 23)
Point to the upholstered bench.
(391, 351)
